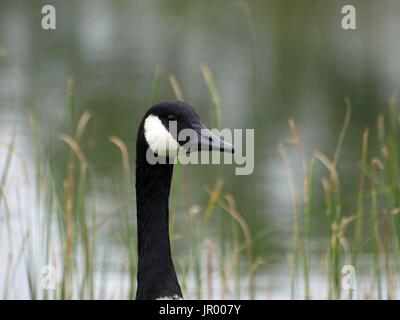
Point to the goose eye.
(171, 117)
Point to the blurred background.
(270, 61)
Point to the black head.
(171, 127)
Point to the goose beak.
(208, 141)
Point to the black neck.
(156, 274)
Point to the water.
(305, 66)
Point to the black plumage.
(156, 273)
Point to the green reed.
(219, 243)
(381, 194)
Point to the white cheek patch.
(159, 138)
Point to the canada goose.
(156, 275)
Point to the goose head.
(170, 128)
